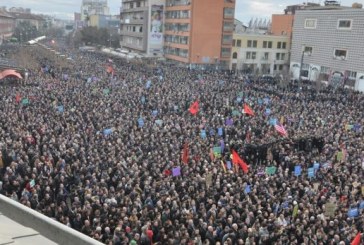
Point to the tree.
(25, 31)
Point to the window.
(275, 67)
(270, 44)
(249, 44)
(227, 39)
(225, 52)
(266, 56)
(254, 55)
(280, 67)
(255, 43)
(284, 45)
(265, 44)
(234, 42)
(228, 26)
(238, 43)
(307, 50)
(325, 70)
(279, 45)
(283, 56)
(229, 12)
(344, 24)
(278, 56)
(352, 74)
(235, 55)
(248, 55)
(310, 23)
(340, 54)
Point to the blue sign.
(60, 108)
(311, 172)
(219, 131)
(107, 131)
(143, 99)
(155, 113)
(212, 132)
(297, 170)
(203, 134)
(361, 205)
(316, 165)
(273, 121)
(247, 189)
(140, 122)
(149, 83)
(239, 99)
(228, 165)
(267, 111)
(260, 101)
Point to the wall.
(206, 30)
(282, 24)
(47, 227)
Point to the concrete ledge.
(46, 226)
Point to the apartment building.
(142, 26)
(93, 7)
(328, 43)
(199, 32)
(7, 25)
(256, 53)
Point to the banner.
(156, 26)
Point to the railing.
(46, 226)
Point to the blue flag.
(267, 111)
(247, 189)
(354, 212)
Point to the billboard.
(156, 25)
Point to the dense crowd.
(100, 150)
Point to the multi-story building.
(7, 25)
(142, 26)
(256, 53)
(199, 32)
(92, 7)
(328, 45)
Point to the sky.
(245, 9)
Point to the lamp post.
(301, 66)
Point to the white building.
(260, 53)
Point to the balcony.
(140, 9)
(131, 33)
(132, 21)
(173, 3)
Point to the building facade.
(328, 41)
(93, 7)
(199, 32)
(7, 25)
(142, 26)
(254, 53)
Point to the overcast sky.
(245, 9)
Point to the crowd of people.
(111, 149)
